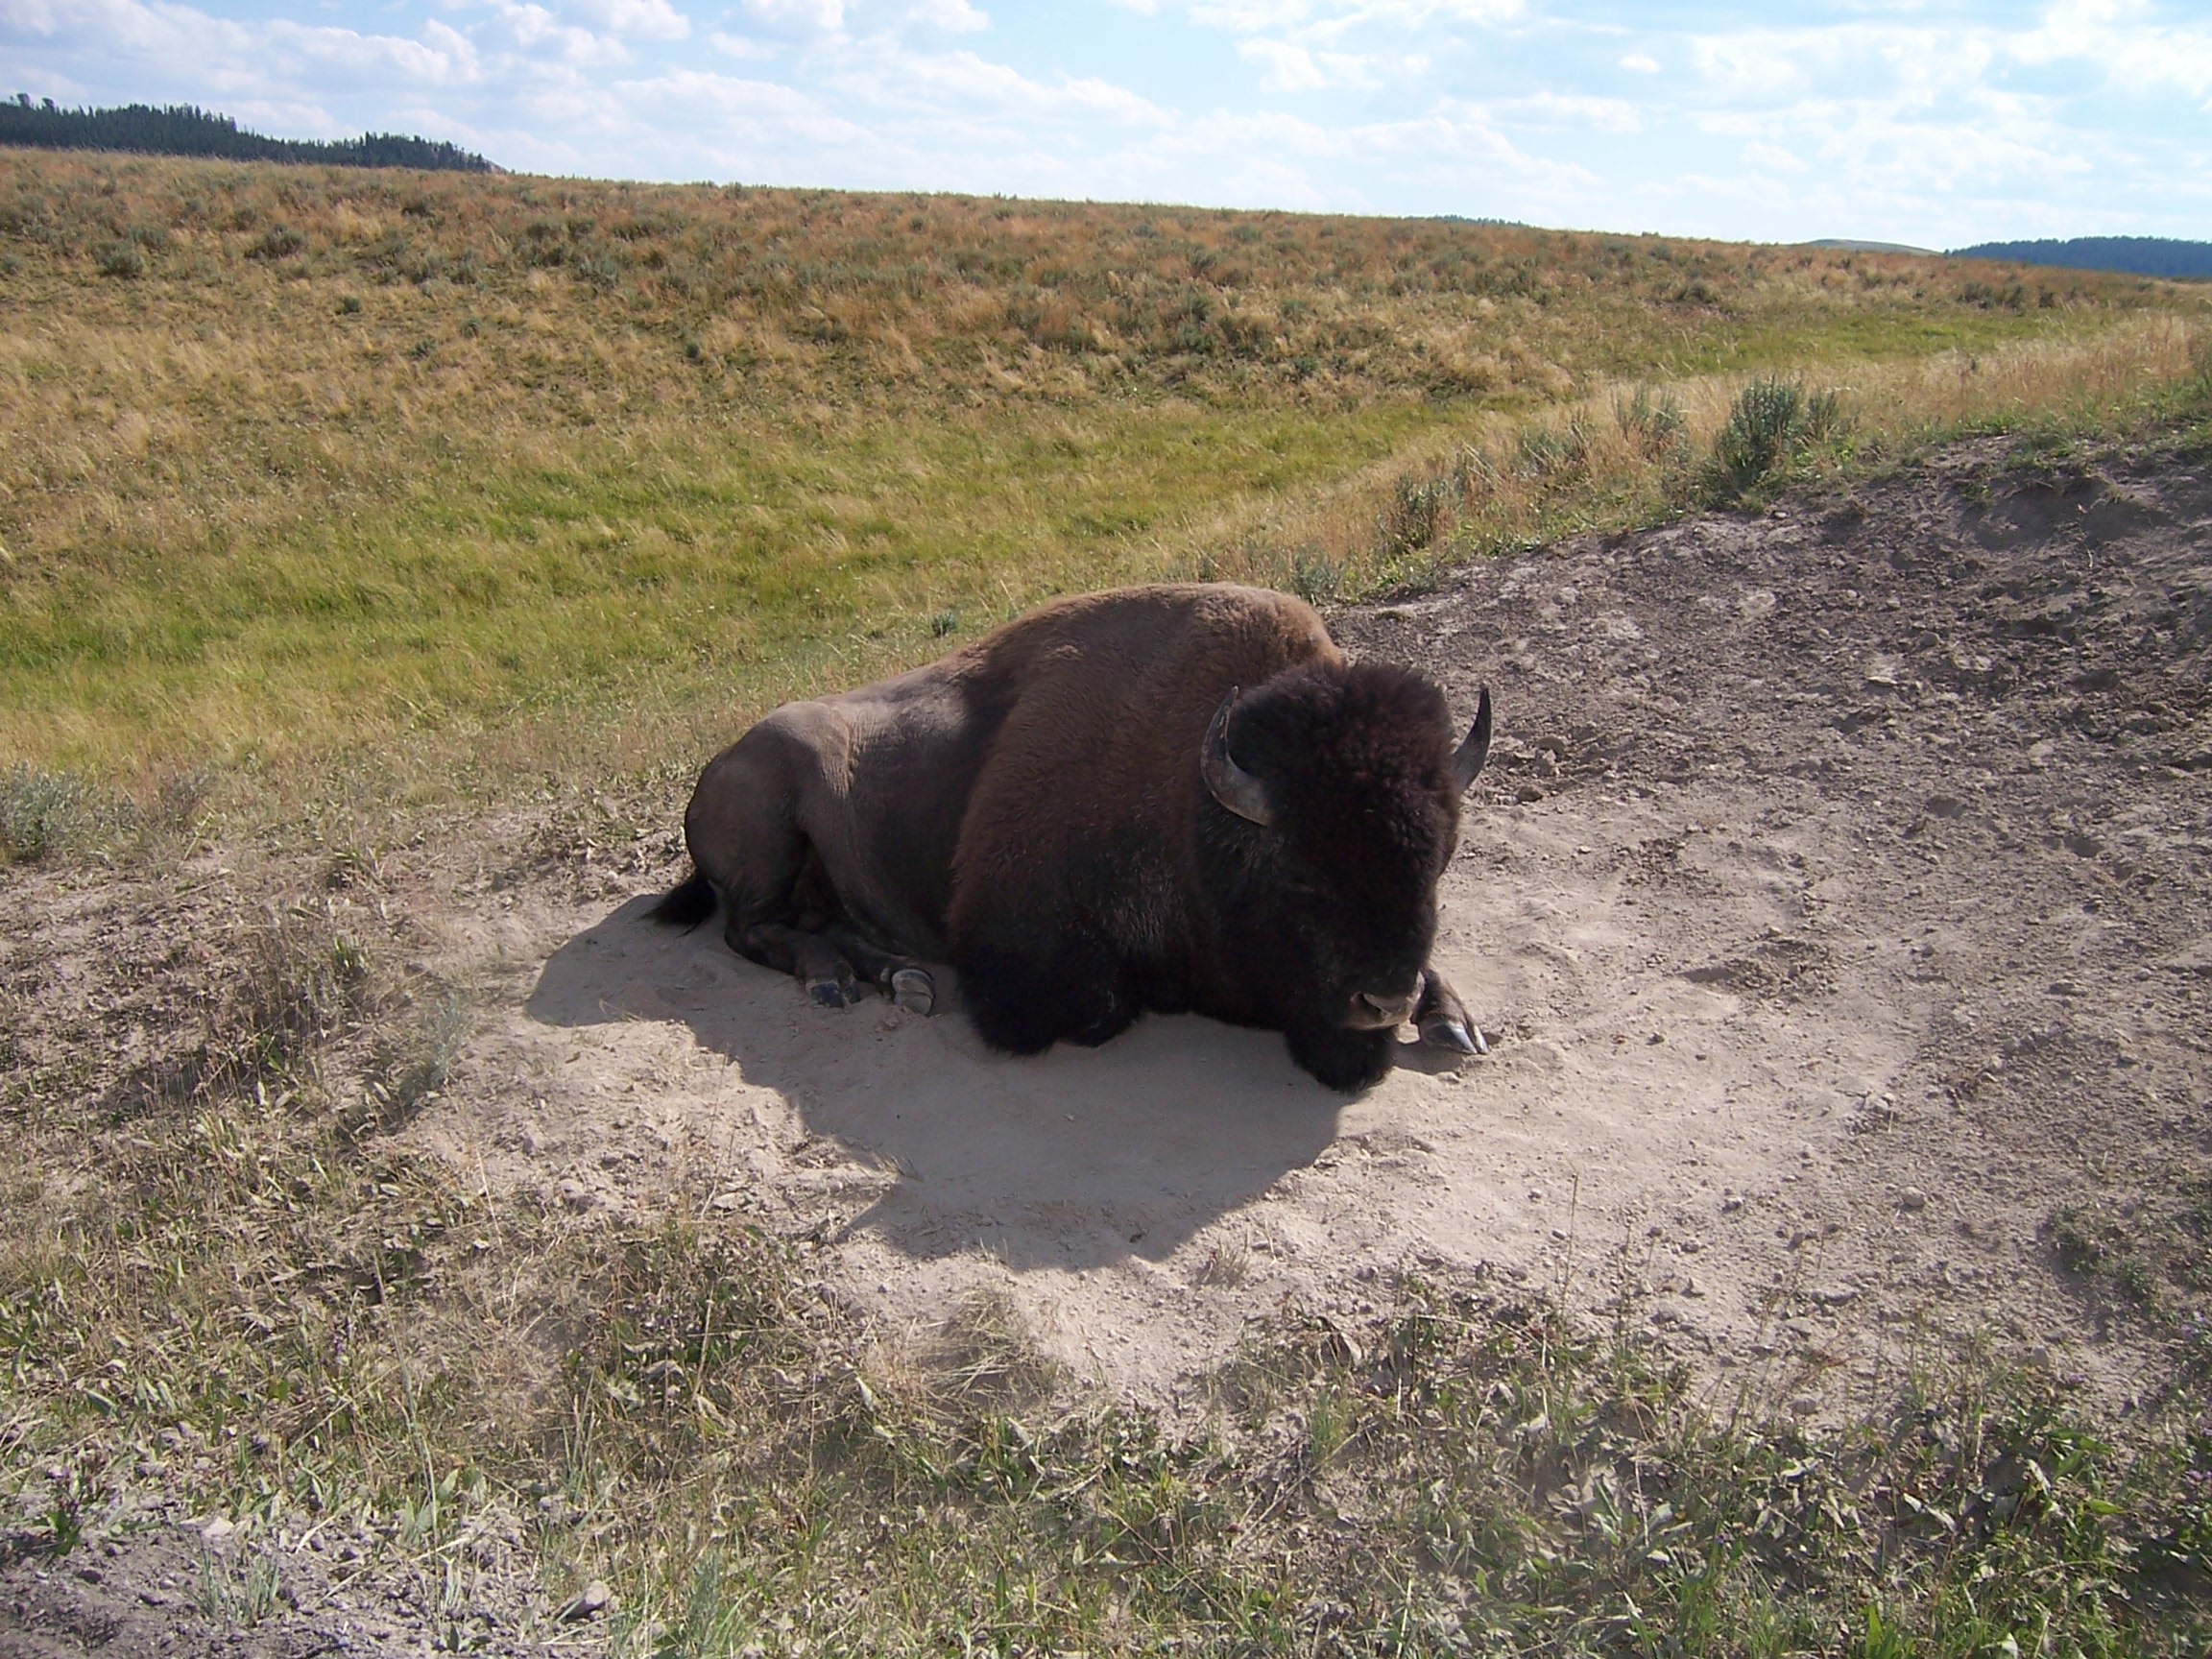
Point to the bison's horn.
(1232, 785)
(1468, 759)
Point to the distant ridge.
(184, 130)
(1855, 247)
(2142, 255)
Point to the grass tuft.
(47, 814)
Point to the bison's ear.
(1230, 783)
(1468, 759)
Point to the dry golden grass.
(458, 476)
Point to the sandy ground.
(1840, 910)
(1840, 907)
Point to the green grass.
(486, 590)
(511, 474)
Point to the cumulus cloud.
(643, 19)
(1293, 69)
(794, 19)
(248, 55)
(1889, 119)
(951, 17)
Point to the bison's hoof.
(1454, 1035)
(913, 990)
(830, 993)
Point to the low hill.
(184, 130)
(2140, 255)
(292, 458)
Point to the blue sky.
(1934, 122)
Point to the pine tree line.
(184, 130)
(2140, 255)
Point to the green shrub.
(1315, 577)
(120, 259)
(1769, 427)
(278, 242)
(43, 814)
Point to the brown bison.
(1179, 798)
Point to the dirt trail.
(1840, 906)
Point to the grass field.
(514, 474)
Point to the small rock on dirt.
(588, 1602)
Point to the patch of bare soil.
(157, 1585)
(1840, 909)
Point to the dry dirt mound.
(1840, 908)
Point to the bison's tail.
(685, 905)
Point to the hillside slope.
(298, 460)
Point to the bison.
(1180, 798)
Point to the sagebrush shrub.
(1769, 427)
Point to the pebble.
(1529, 795)
(593, 1599)
(1912, 1200)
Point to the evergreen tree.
(2142, 255)
(185, 130)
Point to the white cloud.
(247, 56)
(1291, 69)
(642, 19)
(952, 17)
(796, 19)
(1772, 157)
(742, 45)
(1642, 63)
(537, 32)
(1614, 115)
(962, 86)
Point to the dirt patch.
(153, 1585)
(1838, 906)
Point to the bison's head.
(1338, 794)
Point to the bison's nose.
(1388, 1010)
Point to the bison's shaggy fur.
(1037, 809)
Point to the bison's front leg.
(1443, 1021)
